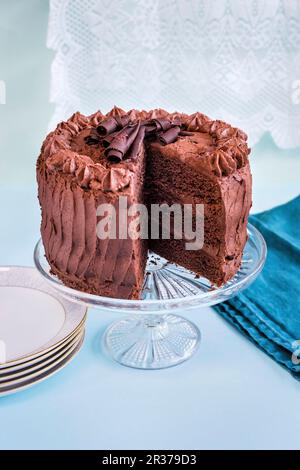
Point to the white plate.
(31, 379)
(6, 369)
(10, 374)
(33, 318)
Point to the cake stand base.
(151, 341)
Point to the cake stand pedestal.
(152, 341)
(152, 336)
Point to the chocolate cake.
(150, 157)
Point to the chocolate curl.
(108, 126)
(135, 148)
(117, 148)
(106, 141)
(162, 124)
(121, 143)
(149, 129)
(112, 124)
(169, 136)
(109, 138)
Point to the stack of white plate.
(40, 331)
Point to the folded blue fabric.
(268, 312)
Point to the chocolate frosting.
(88, 148)
(87, 173)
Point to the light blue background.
(25, 67)
(229, 395)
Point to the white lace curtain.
(238, 60)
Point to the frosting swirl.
(87, 173)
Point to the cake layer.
(174, 177)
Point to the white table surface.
(229, 395)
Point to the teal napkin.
(268, 312)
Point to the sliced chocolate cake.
(151, 158)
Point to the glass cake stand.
(153, 336)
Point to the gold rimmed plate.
(6, 369)
(54, 364)
(51, 370)
(12, 374)
(35, 320)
